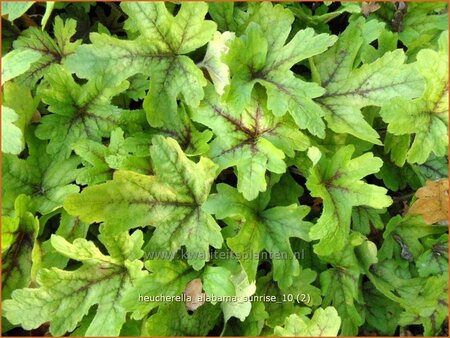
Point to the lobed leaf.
(65, 297)
(251, 139)
(159, 51)
(170, 201)
(337, 181)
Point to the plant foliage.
(220, 168)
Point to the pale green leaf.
(324, 322)
(170, 201)
(20, 99)
(253, 140)
(101, 161)
(340, 284)
(261, 56)
(243, 289)
(166, 278)
(49, 5)
(52, 51)
(224, 14)
(70, 228)
(337, 181)
(15, 9)
(63, 298)
(192, 141)
(49, 181)
(79, 112)
(12, 138)
(217, 69)
(217, 281)
(158, 51)
(348, 89)
(18, 237)
(422, 25)
(427, 116)
(261, 229)
(17, 62)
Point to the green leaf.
(348, 89)
(303, 290)
(131, 328)
(174, 320)
(49, 5)
(425, 117)
(364, 219)
(93, 155)
(52, 51)
(434, 260)
(261, 229)
(192, 141)
(337, 181)
(17, 62)
(158, 51)
(428, 305)
(167, 278)
(261, 56)
(101, 161)
(63, 298)
(317, 18)
(386, 42)
(281, 308)
(251, 139)
(243, 289)
(434, 169)
(397, 146)
(402, 237)
(16, 116)
(138, 87)
(224, 15)
(170, 201)
(424, 300)
(252, 325)
(285, 192)
(295, 299)
(25, 107)
(423, 23)
(48, 180)
(79, 112)
(217, 281)
(324, 322)
(217, 69)
(18, 236)
(70, 228)
(15, 9)
(341, 286)
(381, 313)
(12, 138)
(267, 152)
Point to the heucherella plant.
(224, 169)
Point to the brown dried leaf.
(36, 117)
(369, 7)
(194, 292)
(432, 202)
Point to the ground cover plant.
(238, 169)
